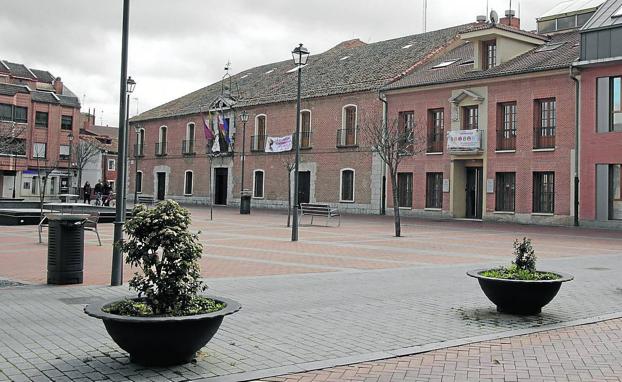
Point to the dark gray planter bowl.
(162, 341)
(524, 297)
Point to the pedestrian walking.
(87, 192)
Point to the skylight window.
(407, 46)
(468, 62)
(344, 58)
(269, 71)
(244, 76)
(444, 64)
(618, 13)
(292, 70)
(549, 47)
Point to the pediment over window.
(222, 102)
(464, 94)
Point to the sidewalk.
(590, 352)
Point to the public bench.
(321, 210)
(145, 199)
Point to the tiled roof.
(19, 70)
(11, 90)
(535, 60)
(43, 75)
(349, 67)
(485, 26)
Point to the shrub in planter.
(169, 320)
(520, 288)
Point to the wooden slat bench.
(321, 210)
(145, 199)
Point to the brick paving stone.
(507, 355)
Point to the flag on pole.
(209, 135)
(216, 133)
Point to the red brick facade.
(524, 160)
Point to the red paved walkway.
(581, 353)
(259, 245)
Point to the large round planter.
(523, 297)
(162, 341)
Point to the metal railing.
(305, 140)
(435, 142)
(160, 149)
(139, 150)
(544, 138)
(347, 137)
(187, 147)
(258, 143)
(506, 140)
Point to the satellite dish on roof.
(494, 17)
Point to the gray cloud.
(179, 46)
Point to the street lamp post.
(300, 55)
(70, 136)
(244, 119)
(116, 277)
(136, 156)
(131, 85)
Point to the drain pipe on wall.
(383, 192)
(574, 72)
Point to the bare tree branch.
(83, 151)
(10, 141)
(393, 141)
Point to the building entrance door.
(161, 185)
(7, 185)
(304, 186)
(473, 192)
(220, 186)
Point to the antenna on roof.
(226, 90)
(486, 7)
(494, 17)
(425, 16)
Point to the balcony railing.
(506, 140)
(63, 157)
(187, 147)
(347, 137)
(139, 150)
(435, 142)
(258, 143)
(305, 140)
(224, 148)
(160, 149)
(544, 138)
(464, 142)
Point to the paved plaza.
(340, 296)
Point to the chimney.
(510, 19)
(58, 85)
(481, 19)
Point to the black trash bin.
(65, 249)
(245, 203)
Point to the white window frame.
(36, 153)
(191, 184)
(194, 131)
(114, 164)
(140, 137)
(255, 139)
(142, 179)
(343, 122)
(60, 150)
(341, 185)
(263, 185)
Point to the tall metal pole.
(117, 255)
(243, 157)
(15, 173)
(296, 139)
(127, 156)
(211, 188)
(136, 177)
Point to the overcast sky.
(177, 46)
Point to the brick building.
(497, 117)
(46, 112)
(339, 92)
(599, 71)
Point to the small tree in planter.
(520, 288)
(169, 321)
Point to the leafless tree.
(83, 151)
(392, 141)
(288, 161)
(44, 170)
(10, 143)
